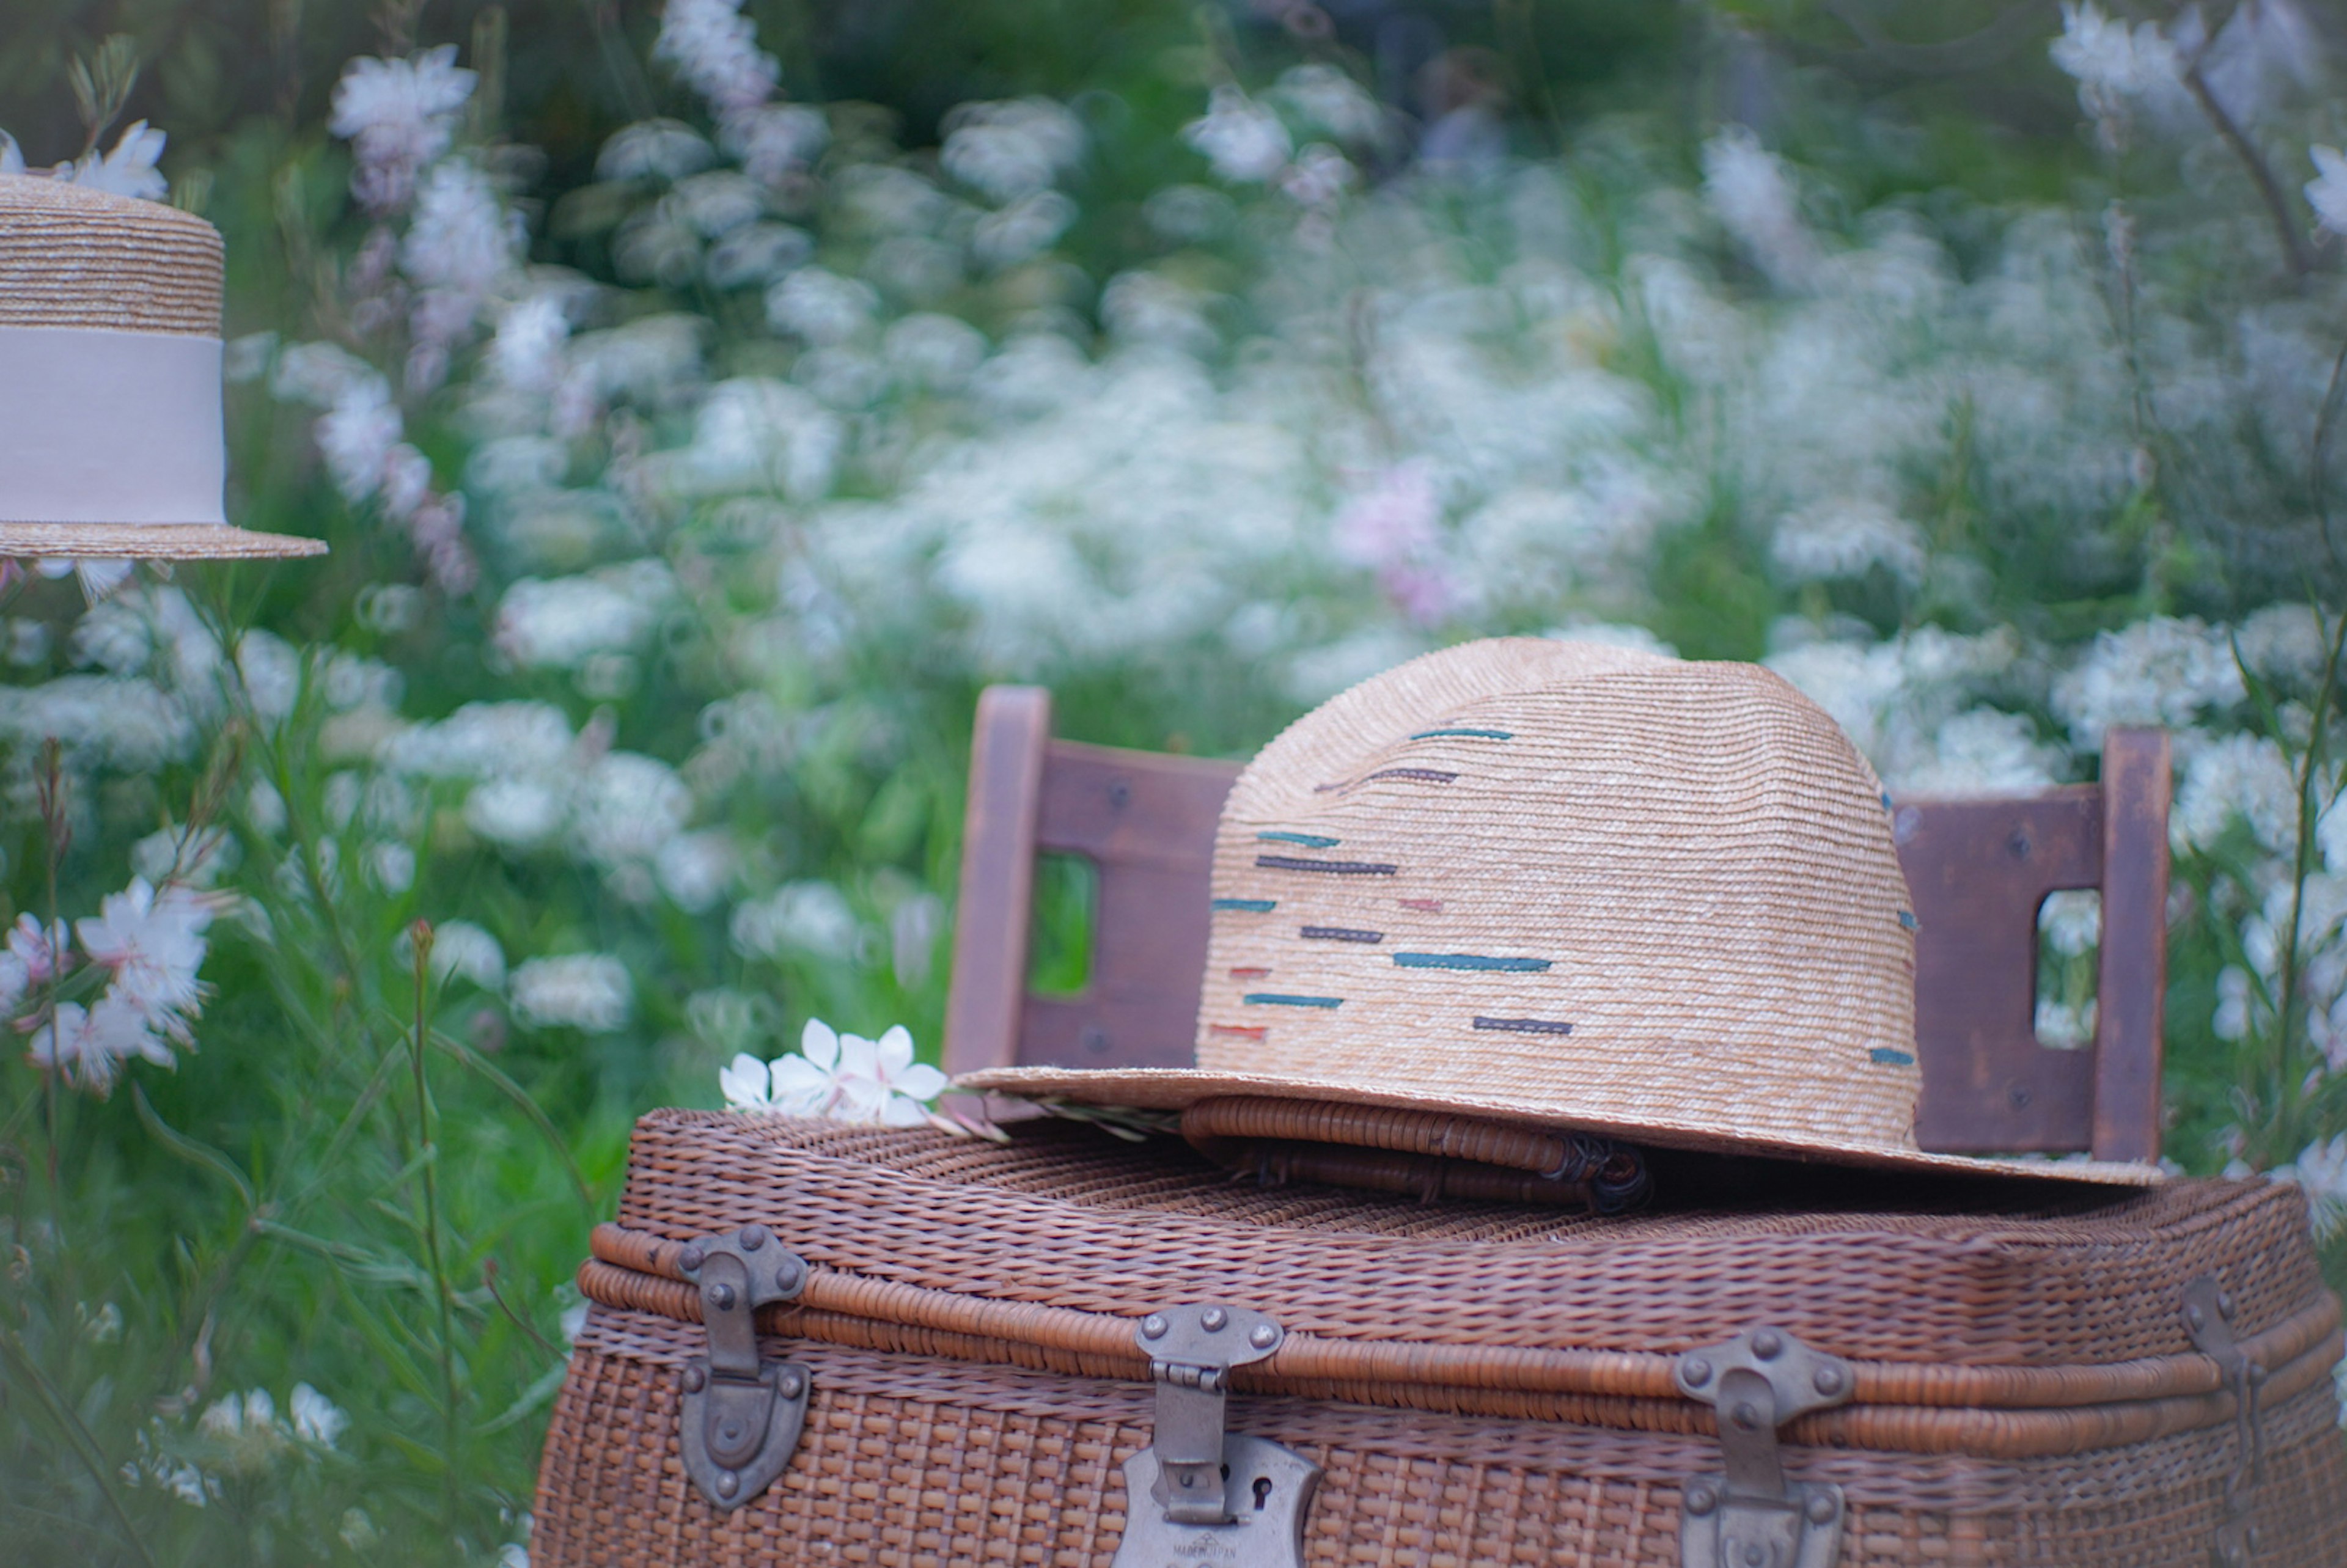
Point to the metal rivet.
(1747, 1415)
(690, 1259)
(1767, 1343)
(2019, 1095)
(1212, 1320)
(1264, 1336)
(728, 1483)
(1701, 1500)
(1821, 1508)
(1698, 1371)
(2225, 1305)
(2257, 1375)
(1153, 1326)
(2194, 1318)
(1827, 1380)
(753, 1237)
(790, 1276)
(720, 1296)
(792, 1384)
(695, 1379)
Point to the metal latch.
(742, 1415)
(1750, 1516)
(2209, 1319)
(1198, 1494)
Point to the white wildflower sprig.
(150, 944)
(842, 1078)
(2327, 192)
(398, 116)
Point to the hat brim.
(1177, 1089)
(149, 542)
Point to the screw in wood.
(1264, 1336)
(1701, 1499)
(1153, 1326)
(1212, 1320)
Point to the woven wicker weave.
(1482, 1382)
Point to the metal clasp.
(1750, 1516)
(742, 1415)
(2209, 1319)
(1198, 1494)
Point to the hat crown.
(75, 257)
(1591, 883)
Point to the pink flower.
(87, 1046)
(1394, 528)
(154, 944)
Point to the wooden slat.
(2132, 985)
(1147, 822)
(1978, 869)
(998, 878)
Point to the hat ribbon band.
(102, 426)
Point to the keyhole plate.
(1267, 1491)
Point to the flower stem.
(421, 934)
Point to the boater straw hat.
(1564, 885)
(110, 379)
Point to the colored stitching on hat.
(1472, 734)
(1469, 961)
(1252, 906)
(1281, 1000)
(1334, 867)
(1423, 905)
(1339, 934)
(1250, 974)
(1886, 800)
(1883, 1056)
(1308, 840)
(1525, 1025)
(1423, 775)
(1907, 918)
(1252, 1032)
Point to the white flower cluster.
(239, 1437)
(846, 1078)
(399, 116)
(151, 945)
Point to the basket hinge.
(2209, 1319)
(1750, 1515)
(1199, 1494)
(742, 1415)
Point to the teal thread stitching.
(1883, 1056)
(1279, 999)
(1308, 840)
(1469, 961)
(1472, 734)
(1907, 918)
(1252, 906)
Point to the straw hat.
(110, 379)
(1552, 884)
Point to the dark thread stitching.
(1333, 867)
(1339, 934)
(1525, 1025)
(1423, 905)
(1423, 775)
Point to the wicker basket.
(2022, 1375)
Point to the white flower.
(460, 950)
(2238, 776)
(1010, 149)
(246, 1430)
(757, 253)
(198, 857)
(31, 960)
(844, 1077)
(316, 1419)
(12, 157)
(2103, 54)
(87, 1047)
(154, 943)
(2321, 1171)
(2283, 642)
(716, 50)
(693, 868)
(398, 114)
(773, 140)
(1847, 539)
(556, 623)
(358, 438)
(1319, 177)
(521, 812)
(2328, 189)
(1748, 186)
(484, 740)
(1241, 141)
(653, 149)
(2156, 672)
(813, 918)
(1026, 228)
(2072, 920)
(1327, 98)
(2239, 1008)
(586, 992)
(464, 243)
(821, 306)
(626, 808)
(129, 171)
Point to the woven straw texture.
(81, 259)
(73, 257)
(1566, 884)
(1480, 1381)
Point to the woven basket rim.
(151, 541)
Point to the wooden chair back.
(1978, 870)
